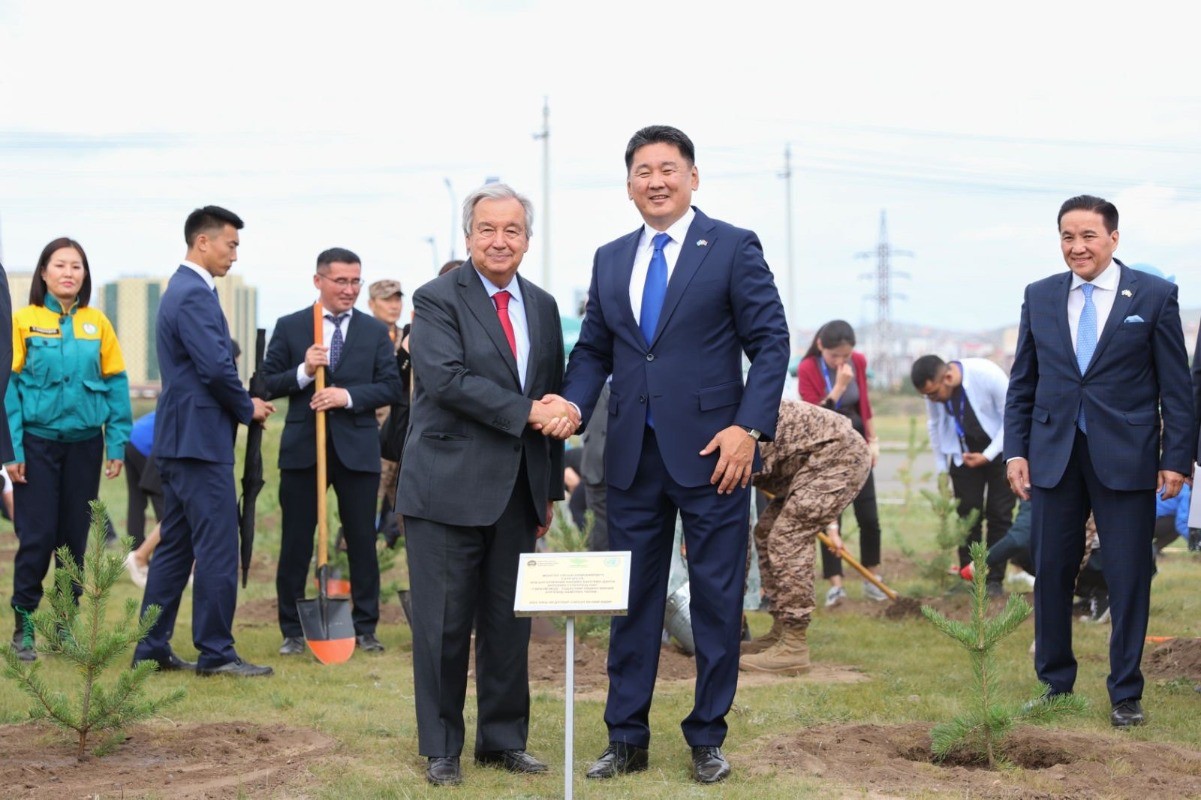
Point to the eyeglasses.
(511, 232)
(343, 283)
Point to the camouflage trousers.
(787, 529)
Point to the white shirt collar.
(202, 272)
(1107, 280)
(678, 231)
(514, 287)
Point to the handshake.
(554, 416)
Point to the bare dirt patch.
(216, 760)
(1176, 658)
(1051, 763)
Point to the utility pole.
(544, 135)
(434, 252)
(885, 344)
(790, 298)
(454, 217)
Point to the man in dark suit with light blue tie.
(358, 354)
(1098, 419)
(201, 404)
(672, 309)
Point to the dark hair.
(339, 254)
(454, 263)
(203, 220)
(656, 134)
(1086, 202)
(37, 287)
(833, 334)
(926, 369)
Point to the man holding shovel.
(361, 376)
(813, 470)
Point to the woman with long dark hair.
(833, 375)
(68, 407)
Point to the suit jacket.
(6, 359)
(467, 432)
(367, 370)
(721, 303)
(1138, 374)
(202, 400)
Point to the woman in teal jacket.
(68, 404)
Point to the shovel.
(862, 570)
(327, 624)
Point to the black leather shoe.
(23, 647)
(709, 765)
(1127, 714)
(618, 759)
(172, 663)
(292, 646)
(444, 771)
(368, 643)
(512, 760)
(237, 669)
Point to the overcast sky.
(327, 124)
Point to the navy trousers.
(642, 520)
(51, 509)
(200, 524)
(1125, 523)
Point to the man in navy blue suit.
(1098, 419)
(672, 309)
(201, 404)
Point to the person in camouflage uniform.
(813, 470)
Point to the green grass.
(915, 673)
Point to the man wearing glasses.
(965, 409)
(361, 376)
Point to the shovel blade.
(328, 628)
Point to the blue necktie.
(655, 289)
(1086, 340)
(336, 341)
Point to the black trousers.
(985, 489)
(356, 492)
(51, 509)
(136, 468)
(868, 518)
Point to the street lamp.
(454, 216)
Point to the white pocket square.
(1134, 318)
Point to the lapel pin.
(701, 243)
(1127, 293)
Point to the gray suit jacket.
(467, 433)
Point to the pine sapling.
(78, 634)
(979, 731)
(952, 532)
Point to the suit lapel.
(532, 325)
(1121, 307)
(626, 254)
(1061, 315)
(475, 296)
(692, 253)
(353, 329)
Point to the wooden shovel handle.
(322, 522)
(862, 570)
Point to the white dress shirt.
(521, 327)
(327, 333)
(646, 248)
(1104, 291)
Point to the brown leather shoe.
(619, 758)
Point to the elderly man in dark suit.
(673, 308)
(198, 413)
(477, 483)
(1098, 419)
(358, 355)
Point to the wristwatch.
(751, 432)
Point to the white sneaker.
(835, 596)
(1023, 577)
(873, 592)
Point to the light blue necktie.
(336, 341)
(655, 289)
(653, 293)
(1086, 340)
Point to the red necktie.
(502, 313)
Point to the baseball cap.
(385, 288)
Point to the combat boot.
(763, 642)
(788, 656)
